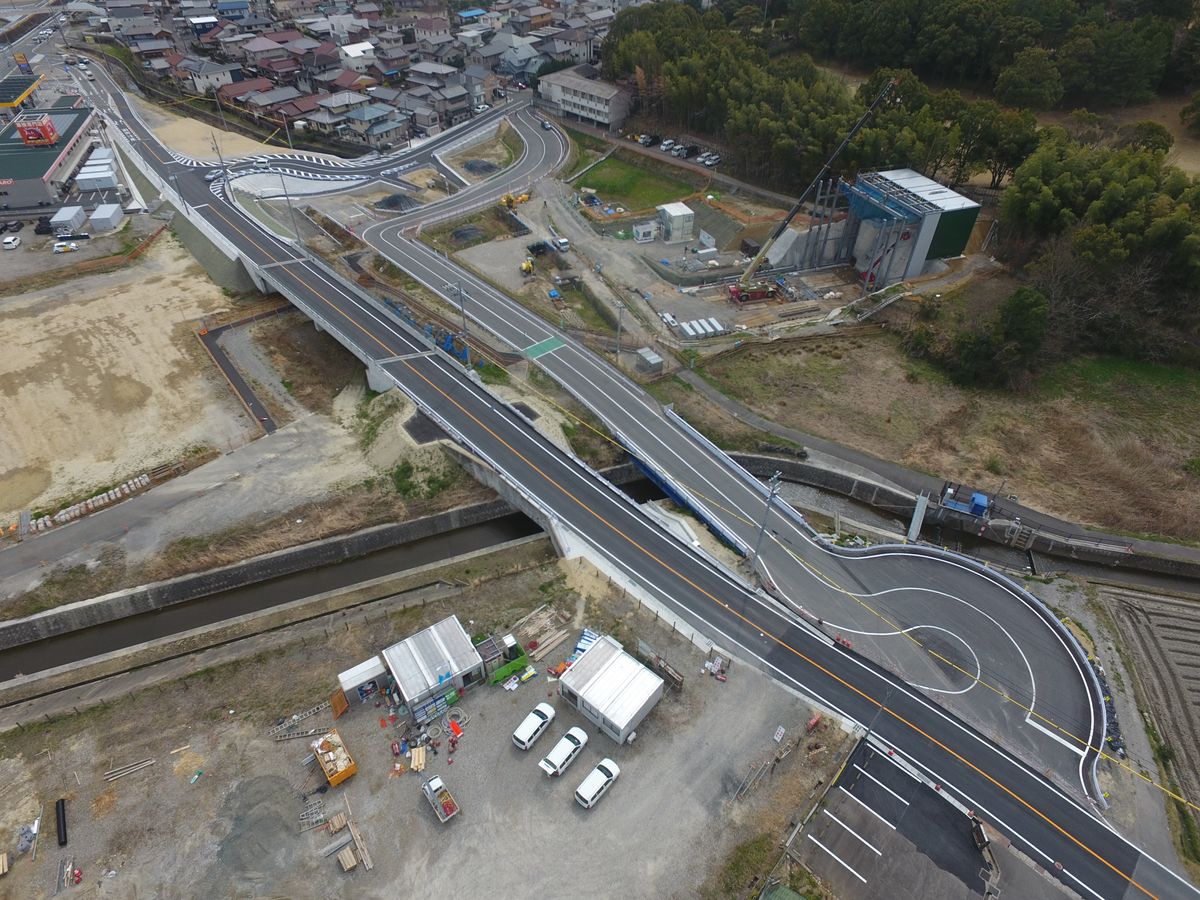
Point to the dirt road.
(102, 379)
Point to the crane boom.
(748, 275)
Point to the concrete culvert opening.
(480, 167)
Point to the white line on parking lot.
(868, 844)
(867, 808)
(881, 784)
(841, 862)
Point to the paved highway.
(985, 648)
(1041, 819)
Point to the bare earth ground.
(493, 151)
(1096, 443)
(664, 829)
(105, 379)
(328, 472)
(194, 138)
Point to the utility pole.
(773, 484)
(620, 313)
(287, 131)
(462, 309)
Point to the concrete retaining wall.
(159, 595)
(432, 581)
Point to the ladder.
(296, 719)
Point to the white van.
(12, 242)
(569, 746)
(533, 726)
(597, 783)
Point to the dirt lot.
(105, 380)
(35, 257)
(193, 138)
(1096, 441)
(235, 831)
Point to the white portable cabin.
(717, 327)
(687, 329)
(611, 689)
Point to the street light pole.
(220, 108)
(291, 211)
(773, 484)
(179, 193)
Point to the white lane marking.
(865, 842)
(845, 865)
(1034, 723)
(1007, 757)
(867, 808)
(881, 784)
(975, 679)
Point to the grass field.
(1099, 441)
(633, 187)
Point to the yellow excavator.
(527, 266)
(508, 201)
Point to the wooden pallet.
(347, 859)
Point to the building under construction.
(890, 226)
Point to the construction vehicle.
(747, 278)
(527, 266)
(439, 798)
(508, 201)
(760, 290)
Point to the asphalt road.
(986, 649)
(1042, 820)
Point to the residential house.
(369, 11)
(299, 107)
(201, 25)
(261, 48)
(234, 92)
(481, 84)
(205, 75)
(257, 24)
(210, 38)
(578, 92)
(433, 75)
(487, 56)
(430, 28)
(529, 20)
(469, 17)
(521, 61)
(283, 69)
(264, 102)
(287, 10)
(139, 28)
(233, 10)
(360, 56)
(286, 37)
(575, 45)
(390, 62)
(151, 49)
(330, 116)
(375, 124)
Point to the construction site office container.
(107, 217)
(69, 217)
(611, 688)
(717, 327)
(687, 329)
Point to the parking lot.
(663, 829)
(882, 832)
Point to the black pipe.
(60, 814)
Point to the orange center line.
(766, 633)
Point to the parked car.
(213, 175)
(562, 754)
(597, 783)
(533, 726)
(11, 242)
(666, 145)
(482, 107)
(14, 226)
(65, 247)
(3, 227)
(713, 160)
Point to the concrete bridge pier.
(377, 379)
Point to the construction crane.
(748, 276)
